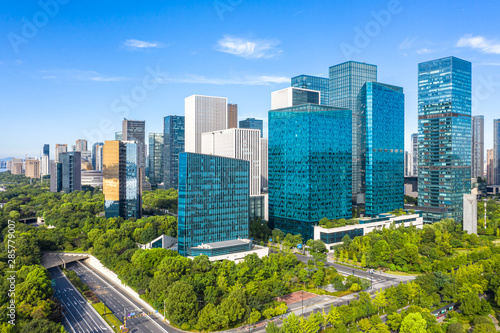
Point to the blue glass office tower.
(46, 150)
(173, 144)
(94, 155)
(321, 84)
(496, 151)
(253, 123)
(155, 158)
(444, 137)
(213, 204)
(346, 81)
(381, 147)
(309, 166)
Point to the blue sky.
(73, 70)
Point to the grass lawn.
(109, 317)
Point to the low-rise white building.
(92, 178)
(333, 236)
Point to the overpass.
(53, 259)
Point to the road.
(79, 315)
(119, 302)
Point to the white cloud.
(141, 44)
(424, 51)
(407, 43)
(480, 43)
(76, 74)
(245, 48)
(262, 80)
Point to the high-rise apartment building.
(232, 115)
(97, 156)
(444, 145)
(71, 171)
(309, 166)
(60, 148)
(289, 97)
(121, 179)
(173, 145)
(55, 176)
(346, 81)
(155, 158)
(253, 123)
(81, 145)
(44, 165)
(134, 130)
(213, 205)
(380, 141)
(490, 167)
(477, 147)
(32, 168)
(203, 114)
(496, 151)
(240, 143)
(414, 149)
(321, 84)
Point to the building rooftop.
(219, 245)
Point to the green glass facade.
(309, 166)
(253, 123)
(380, 140)
(444, 136)
(173, 144)
(321, 84)
(213, 200)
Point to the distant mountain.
(6, 159)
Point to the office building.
(81, 145)
(32, 168)
(121, 179)
(203, 114)
(321, 84)
(477, 147)
(490, 179)
(380, 140)
(289, 97)
(414, 147)
(408, 163)
(253, 123)
(470, 213)
(213, 205)
(309, 166)
(496, 151)
(232, 115)
(118, 136)
(92, 178)
(346, 81)
(71, 171)
(97, 156)
(44, 165)
(60, 148)
(55, 176)
(173, 145)
(16, 166)
(264, 173)
(155, 158)
(134, 130)
(46, 150)
(444, 130)
(87, 156)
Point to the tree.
(380, 301)
(363, 260)
(471, 304)
(235, 306)
(181, 303)
(291, 324)
(42, 326)
(456, 328)
(333, 315)
(413, 323)
(212, 318)
(254, 316)
(497, 296)
(484, 328)
(272, 328)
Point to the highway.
(79, 315)
(119, 302)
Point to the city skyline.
(79, 80)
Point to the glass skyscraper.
(381, 147)
(253, 123)
(46, 150)
(213, 204)
(96, 161)
(173, 145)
(477, 147)
(321, 84)
(71, 171)
(444, 137)
(155, 158)
(496, 151)
(309, 166)
(346, 81)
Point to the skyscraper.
(71, 171)
(408, 163)
(121, 179)
(414, 146)
(32, 168)
(309, 166)
(173, 145)
(253, 123)
(81, 145)
(60, 148)
(55, 176)
(203, 114)
(490, 168)
(380, 140)
(477, 147)
(232, 116)
(346, 80)
(496, 151)
(134, 130)
(46, 150)
(97, 156)
(264, 152)
(444, 137)
(118, 135)
(321, 84)
(155, 158)
(213, 205)
(288, 97)
(45, 160)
